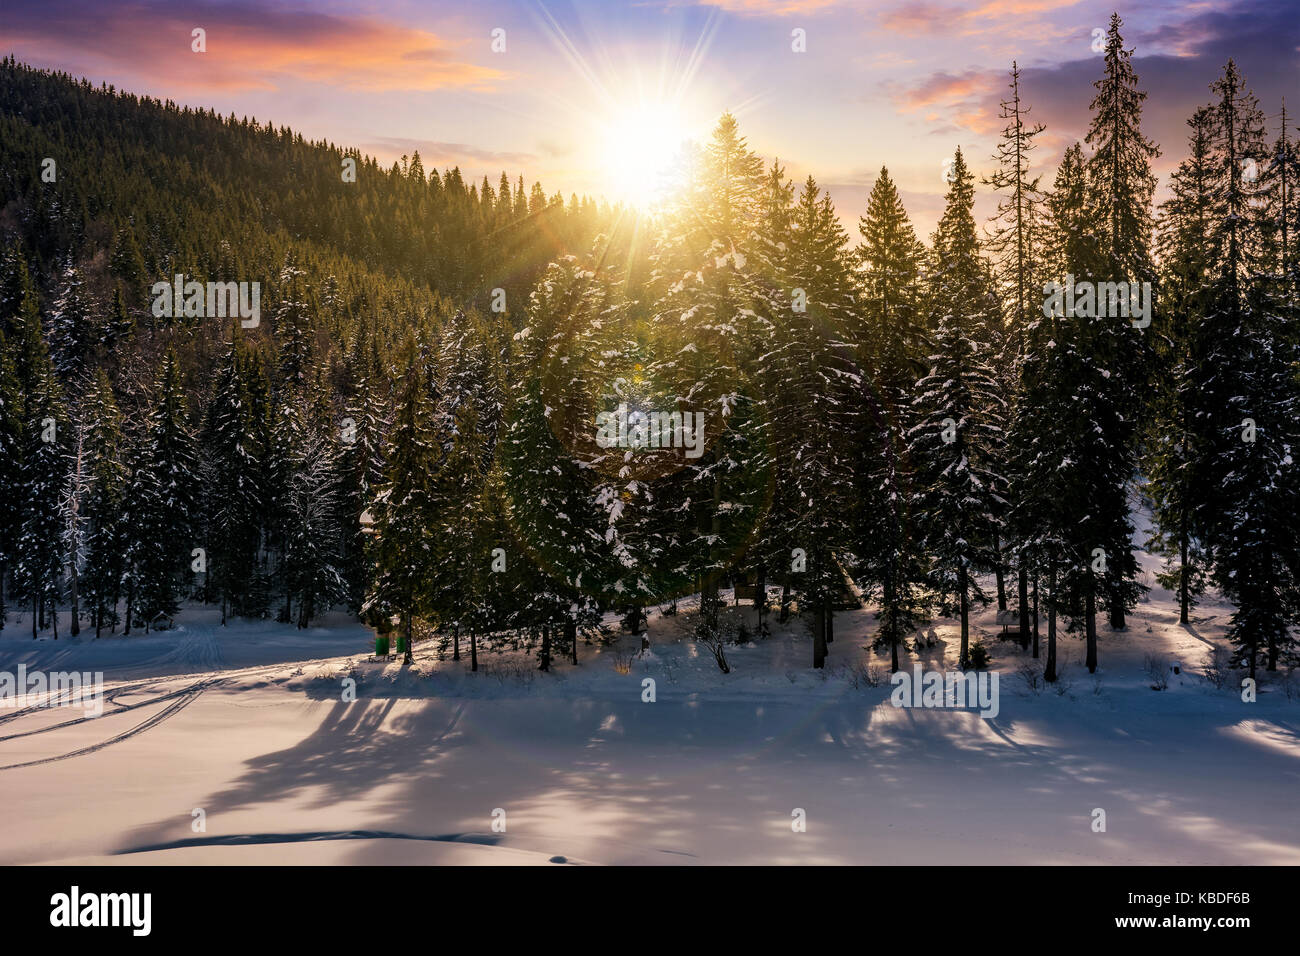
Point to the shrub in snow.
(1031, 675)
(1157, 672)
(1217, 666)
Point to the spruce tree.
(238, 497)
(40, 550)
(404, 508)
(12, 425)
(103, 503)
(1244, 384)
(1120, 187)
(1172, 449)
(164, 490)
(890, 341)
(956, 441)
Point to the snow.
(248, 724)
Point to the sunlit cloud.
(248, 46)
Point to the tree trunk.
(546, 648)
(34, 616)
(571, 635)
(819, 636)
(892, 615)
(1090, 621)
(998, 573)
(76, 603)
(455, 641)
(1035, 616)
(473, 649)
(408, 657)
(1049, 674)
(785, 603)
(964, 659)
(1022, 584)
(1117, 622)
(130, 595)
(1183, 597)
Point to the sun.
(641, 150)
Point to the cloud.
(923, 17)
(249, 46)
(941, 89)
(1175, 64)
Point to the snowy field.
(247, 723)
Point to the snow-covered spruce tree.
(464, 534)
(545, 457)
(163, 494)
(103, 503)
(956, 441)
(889, 339)
(362, 432)
(768, 555)
(466, 593)
(76, 484)
(1101, 467)
(119, 331)
(20, 313)
(1040, 449)
(1015, 245)
(809, 382)
(312, 562)
(1279, 181)
(641, 493)
(73, 326)
(712, 304)
(404, 509)
(293, 321)
(40, 546)
(12, 424)
(237, 496)
(1245, 390)
(1051, 431)
(1120, 185)
(1171, 448)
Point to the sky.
(591, 97)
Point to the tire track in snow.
(110, 697)
(185, 698)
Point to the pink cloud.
(247, 46)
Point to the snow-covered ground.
(248, 724)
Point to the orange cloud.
(943, 89)
(922, 17)
(247, 46)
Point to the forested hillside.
(479, 414)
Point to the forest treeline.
(917, 419)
